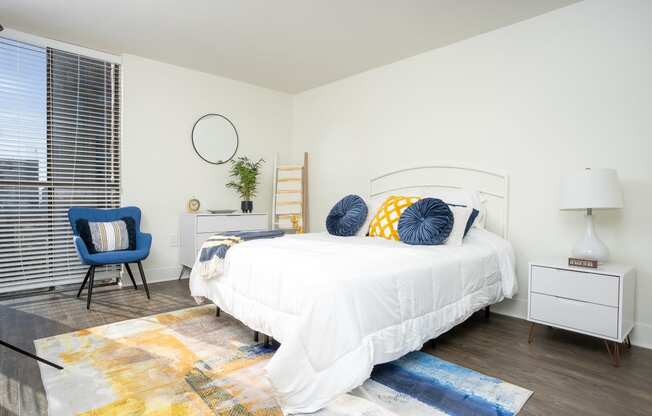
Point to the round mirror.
(215, 138)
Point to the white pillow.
(460, 217)
(479, 203)
(372, 206)
(466, 197)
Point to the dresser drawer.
(222, 223)
(582, 316)
(200, 239)
(588, 287)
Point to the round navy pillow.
(347, 216)
(428, 221)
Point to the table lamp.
(591, 189)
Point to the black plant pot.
(247, 206)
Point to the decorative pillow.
(364, 228)
(347, 216)
(85, 234)
(461, 216)
(471, 221)
(131, 231)
(109, 236)
(472, 217)
(373, 203)
(466, 197)
(426, 222)
(385, 222)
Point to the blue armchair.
(143, 244)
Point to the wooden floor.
(569, 374)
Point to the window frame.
(47, 185)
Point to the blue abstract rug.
(190, 363)
(420, 384)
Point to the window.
(59, 147)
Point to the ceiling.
(287, 45)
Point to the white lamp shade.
(591, 188)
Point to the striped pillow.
(109, 236)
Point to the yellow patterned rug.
(190, 362)
(186, 362)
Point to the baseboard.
(642, 335)
(157, 274)
(517, 308)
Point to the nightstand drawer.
(584, 286)
(221, 223)
(582, 316)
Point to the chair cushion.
(347, 216)
(385, 222)
(426, 222)
(117, 257)
(108, 235)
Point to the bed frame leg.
(487, 312)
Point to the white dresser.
(195, 228)
(597, 302)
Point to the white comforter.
(340, 305)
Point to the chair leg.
(88, 273)
(30, 355)
(131, 275)
(90, 287)
(183, 270)
(142, 276)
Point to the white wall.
(557, 93)
(160, 170)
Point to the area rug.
(190, 362)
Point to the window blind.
(59, 147)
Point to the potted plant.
(245, 180)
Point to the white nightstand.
(597, 302)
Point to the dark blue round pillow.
(347, 216)
(428, 221)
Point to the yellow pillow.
(385, 222)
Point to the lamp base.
(589, 246)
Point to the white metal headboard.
(493, 187)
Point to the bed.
(340, 305)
